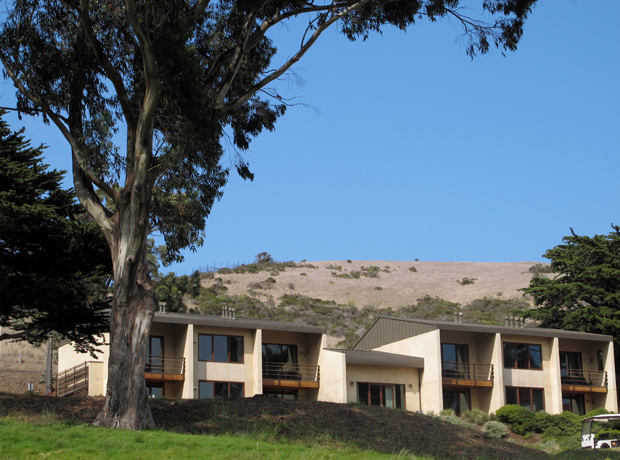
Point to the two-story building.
(401, 363)
(481, 366)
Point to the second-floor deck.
(276, 375)
(164, 368)
(466, 374)
(583, 381)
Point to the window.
(522, 356)
(599, 360)
(571, 368)
(574, 404)
(454, 360)
(386, 395)
(155, 390)
(220, 348)
(531, 398)
(281, 394)
(219, 390)
(155, 354)
(456, 399)
(279, 354)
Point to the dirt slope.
(395, 285)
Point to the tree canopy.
(584, 295)
(54, 262)
(178, 77)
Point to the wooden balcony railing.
(467, 374)
(73, 381)
(579, 378)
(291, 375)
(165, 368)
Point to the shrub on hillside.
(519, 419)
(553, 426)
(495, 429)
(475, 416)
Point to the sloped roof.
(388, 330)
(212, 320)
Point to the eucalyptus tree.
(175, 75)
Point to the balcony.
(468, 375)
(290, 376)
(164, 368)
(582, 381)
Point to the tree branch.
(104, 62)
(304, 48)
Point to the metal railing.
(73, 381)
(583, 377)
(156, 364)
(290, 371)
(466, 371)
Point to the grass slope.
(351, 430)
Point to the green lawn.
(21, 440)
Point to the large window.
(459, 400)
(574, 403)
(155, 390)
(279, 354)
(219, 390)
(220, 348)
(522, 356)
(531, 398)
(377, 394)
(454, 361)
(155, 354)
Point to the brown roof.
(380, 358)
(388, 330)
(211, 320)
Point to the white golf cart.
(590, 441)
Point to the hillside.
(301, 422)
(394, 285)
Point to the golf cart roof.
(602, 418)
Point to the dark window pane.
(375, 395)
(522, 356)
(464, 401)
(525, 398)
(274, 353)
(289, 354)
(509, 355)
(205, 348)
(236, 349)
(599, 359)
(448, 352)
(388, 396)
(220, 348)
(451, 400)
(362, 393)
(538, 400)
(220, 390)
(535, 357)
(511, 395)
(400, 396)
(155, 392)
(236, 390)
(566, 404)
(205, 390)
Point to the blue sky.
(416, 152)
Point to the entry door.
(571, 367)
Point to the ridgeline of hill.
(346, 296)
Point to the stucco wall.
(426, 346)
(406, 376)
(333, 383)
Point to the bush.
(412, 269)
(495, 429)
(519, 419)
(454, 420)
(475, 416)
(225, 271)
(466, 281)
(553, 426)
(599, 411)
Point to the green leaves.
(585, 293)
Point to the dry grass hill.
(395, 285)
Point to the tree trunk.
(126, 404)
(48, 368)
